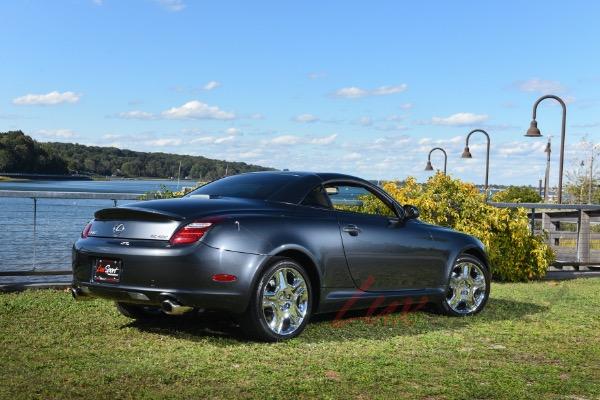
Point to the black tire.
(138, 312)
(443, 306)
(255, 323)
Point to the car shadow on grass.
(222, 330)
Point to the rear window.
(249, 186)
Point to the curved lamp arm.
(467, 154)
(445, 157)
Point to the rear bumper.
(152, 273)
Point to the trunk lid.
(159, 219)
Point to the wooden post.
(547, 225)
(583, 237)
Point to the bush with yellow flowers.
(515, 254)
(164, 193)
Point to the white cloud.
(214, 139)
(353, 92)
(385, 90)
(51, 98)
(250, 154)
(460, 119)
(55, 134)
(197, 110)
(225, 139)
(324, 140)
(136, 115)
(306, 118)
(294, 139)
(351, 156)
(164, 142)
(286, 140)
(406, 106)
(172, 5)
(365, 121)
(541, 86)
(211, 85)
(98, 2)
(521, 148)
(233, 131)
(203, 140)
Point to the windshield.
(250, 186)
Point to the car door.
(383, 252)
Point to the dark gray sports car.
(273, 248)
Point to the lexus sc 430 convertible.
(274, 248)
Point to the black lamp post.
(429, 167)
(467, 154)
(533, 131)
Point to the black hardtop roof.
(324, 176)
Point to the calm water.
(116, 186)
(58, 222)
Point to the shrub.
(164, 193)
(517, 194)
(515, 254)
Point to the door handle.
(351, 229)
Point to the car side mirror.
(410, 212)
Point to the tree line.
(20, 153)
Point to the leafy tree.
(20, 153)
(517, 194)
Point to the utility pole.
(591, 186)
(548, 151)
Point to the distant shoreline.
(15, 176)
(24, 177)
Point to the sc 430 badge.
(107, 270)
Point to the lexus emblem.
(118, 228)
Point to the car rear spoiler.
(135, 213)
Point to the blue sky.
(365, 88)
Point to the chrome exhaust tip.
(171, 307)
(77, 293)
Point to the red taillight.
(224, 278)
(86, 230)
(191, 233)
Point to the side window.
(357, 199)
(317, 198)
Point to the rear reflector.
(191, 233)
(224, 278)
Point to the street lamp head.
(429, 167)
(467, 153)
(533, 130)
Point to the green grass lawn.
(534, 340)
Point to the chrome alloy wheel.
(285, 300)
(467, 288)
